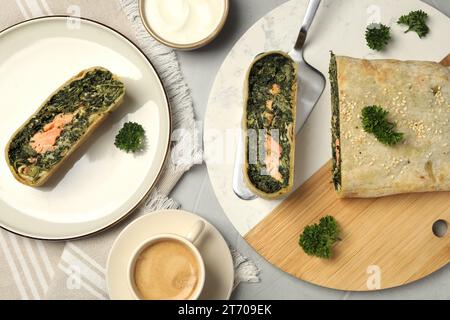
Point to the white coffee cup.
(188, 240)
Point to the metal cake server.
(311, 85)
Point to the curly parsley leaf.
(131, 138)
(374, 121)
(378, 36)
(318, 239)
(416, 21)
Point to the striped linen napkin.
(33, 269)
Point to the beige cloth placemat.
(108, 12)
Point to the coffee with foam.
(166, 270)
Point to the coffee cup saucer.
(212, 246)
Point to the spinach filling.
(335, 124)
(92, 94)
(278, 70)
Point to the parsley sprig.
(378, 36)
(131, 138)
(318, 239)
(416, 21)
(374, 121)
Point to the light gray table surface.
(195, 192)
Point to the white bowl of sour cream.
(184, 24)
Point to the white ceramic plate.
(339, 26)
(99, 184)
(212, 246)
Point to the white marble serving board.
(338, 26)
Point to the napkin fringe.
(158, 201)
(245, 269)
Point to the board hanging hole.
(440, 228)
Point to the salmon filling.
(44, 141)
(275, 89)
(272, 160)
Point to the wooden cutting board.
(386, 242)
